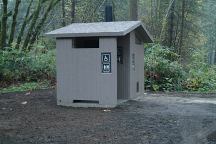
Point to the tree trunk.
(63, 13)
(19, 38)
(73, 10)
(176, 33)
(164, 23)
(152, 15)
(32, 25)
(171, 25)
(182, 27)
(41, 23)
(14, 22)
(133, 10)
(4, 25)
(114, 10)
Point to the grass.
(29, 86)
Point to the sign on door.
(106, 62)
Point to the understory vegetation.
(31, 68)
(164, 71)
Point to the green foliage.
(184, 25)
(16, 66)
(23, 22)
(26, 87)
(162, 70)
(200, 75)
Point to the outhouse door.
(123, 64)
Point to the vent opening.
(108, 13)
(86, 101)
(86, 42)
(137, 87)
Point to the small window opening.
(86, 42)
(86, 101)
(137, 87)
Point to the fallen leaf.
(28, 93)
(24, 103)
(107, 110)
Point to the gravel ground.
(34, 118)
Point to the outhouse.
(100, 64)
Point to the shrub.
(17, 66)
(11, 62)
(200, 75)
(162, 69)
(42, 66)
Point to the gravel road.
(174, 118)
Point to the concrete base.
(85, 105)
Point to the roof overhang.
(136, 25)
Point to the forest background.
(182, 57)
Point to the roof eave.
(103, 34)
(147, 37)
(150, 38)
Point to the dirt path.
(152, 119)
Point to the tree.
(73, 10)
(38, 28)
(208, 22)
(182, 26)
(14, 21)
(174, 23)
(63, 13)
(133, 10)
(25, 21)
(30, 27)
(4, 24)
(171, 24)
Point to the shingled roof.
(104, 29)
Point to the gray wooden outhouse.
(99, 64)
